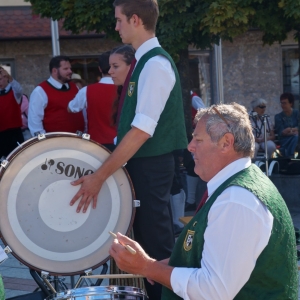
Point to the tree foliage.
(184, 22)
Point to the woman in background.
(258, 111)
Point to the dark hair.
(55, 62)
(288, 96)
(104, 62)
(127, 53)
(147, 10)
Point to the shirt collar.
(231, 169)
(55, 83)
(146, 46)
(7, 88)
(106, 80)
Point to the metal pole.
(266, 148)
(219, 71)
(55, 38)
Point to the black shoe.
(190, 206)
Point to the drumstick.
(130, 249)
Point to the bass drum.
(36, 220)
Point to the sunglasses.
(262, 107)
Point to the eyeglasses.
(219, 114)
(262, 107)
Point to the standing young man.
(151, 126)
(49, 100)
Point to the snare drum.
(36, 221)
(97, 293)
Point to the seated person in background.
(10, 120)
(257, 121)
(286, 125)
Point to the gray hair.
(233, 118)
(258, 102)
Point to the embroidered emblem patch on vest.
(188, 241)
(131, 88)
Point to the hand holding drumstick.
(129, 248)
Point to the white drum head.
(36, 220)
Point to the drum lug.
(88, 272)
(136, 203)
(4, 163)
(41, 136)
(7, 250)
(44, 274)
(86, 136)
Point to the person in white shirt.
(49, 100)
(241, 242)
(150, 127)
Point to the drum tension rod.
(45, 275)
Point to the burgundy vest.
(100, 98)
(56, 116)
(10, 112)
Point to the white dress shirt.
(16, 88)
(80, 100)
(197, 102)
(37, 104)
(239, 228)
(156, 82)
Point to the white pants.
(271, 147)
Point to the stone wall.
(252, 70)
(32, 57)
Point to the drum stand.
(53, 284)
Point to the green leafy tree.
(185, 22)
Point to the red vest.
(100, 98)
(56, 116)
(10, 112)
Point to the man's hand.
(88, 192)
(130, 263)
(140, 263)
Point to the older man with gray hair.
(257, 116)
(241, 243)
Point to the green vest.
(275, 275)
(170, 133)
(2, 291)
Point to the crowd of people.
(237, 244)
(285, 127)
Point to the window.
(200, 74)
(290, 70)
(87, 68)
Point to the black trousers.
(9, 140)
(152, 179)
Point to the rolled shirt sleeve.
(79, 102)
(156, 82)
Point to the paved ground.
(18, 281)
